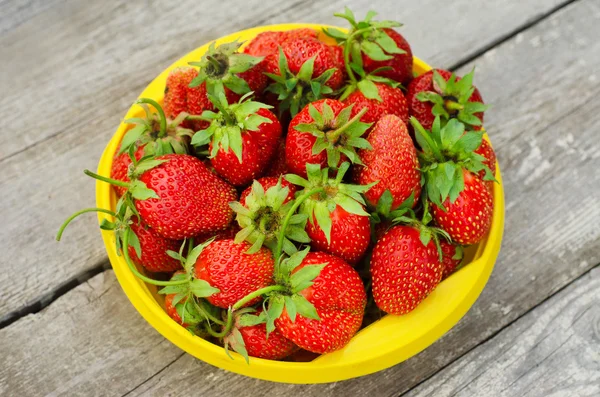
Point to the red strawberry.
(120, 168)
(392, 102)
(338, 297)
(467, 219)
(226, 265)
(320, 134)
(350, 234)
(191, 199)
(379, 47)
(242, 138)
(393, 162)
(176, 92)
(303, 71)
(489, 155)
(267, 43)
(401, 64)
(403, 270)
(452, 256)
(268, 182)
(339, 224)
(172, 311)
(154, 249)
(256, 342)
(239, 74)
(451, 96)
(278, 164)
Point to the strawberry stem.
(105, 179)
(453, 105)
(257, 293)
(347, 48)
(287, 218)
(161, 115)
(333, 136)
(427, 137)
(75, 215)
(134, 270)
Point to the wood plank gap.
(156, 374)
(48, 298)
(492, 336)
(506, 37)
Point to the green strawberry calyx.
(367, 84)
(333, 192)
(234, 340)
(446, 151)
(451, 99)
(220, 65)
(261, 219)
(366, 36)
(295, 91)
(337, 135)
(229, 123)
(157, 135)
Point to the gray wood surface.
(542, 82)
(554, 351)
(75, 67)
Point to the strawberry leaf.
(290, 307)
(305, 308)
(139, 191)
(274, 310)
(369, 90)
(202, 289)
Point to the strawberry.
(278, 164)
(339, 224)
(249, 337)
(153, 249)
(225, 68)
(152, 135)
(468, 218)
(242, 138)
(226, 266)
(386, 100)
(176, 90)
(452, 256)
(303, 63)
(404, 270)
(182, 198)
(462, 204)
(324, 305)
(120, 168)
(261, 215)
(392, 162)
(376, 47)
(489, 157)
(441, 93)
(323, 133)
(268, 43)
(267, 183)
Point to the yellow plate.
(382, 344)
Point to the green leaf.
(337, 34)
(323, 218)
(290, 307)
(132, 136)
(241, 62)
(250, 320)
(202, 289)
(469, 142)
(428, 96)
(107, 225)
(425, 236)
(239, 346)
(350, 205)
(333, 157)
(439, 83)
(305, 308)
(296, 180)
(469, 118)
(388, 44)
(237, 84)
(369, 90)
(274, 310)
(304, 277)
(139, 191)
(306, 70)
(373, 51)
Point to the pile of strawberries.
(284, 184)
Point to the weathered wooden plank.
(89, 342)
(76, 67)
(552, 351)
(547, 243)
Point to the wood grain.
(547, 244)
(89, 342)
(553, 351)
(76, 66)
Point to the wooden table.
(71, 68)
